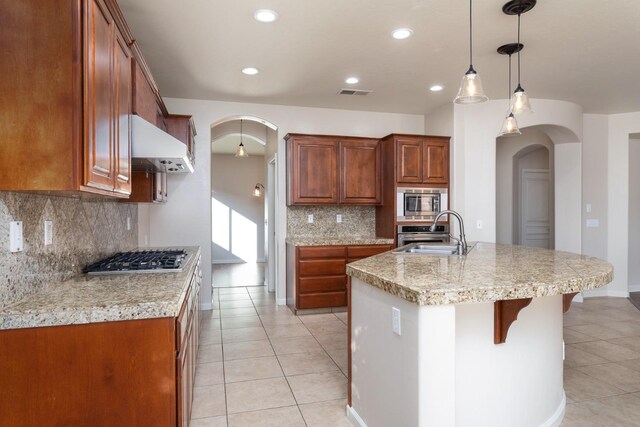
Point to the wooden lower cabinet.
(125, 373)
(316, 275)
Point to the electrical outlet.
(395, 320)
(15, 236)
(479, 224)
(128, 223)
(48, 233)
(588, 207)
(310, 218)
(338, 219)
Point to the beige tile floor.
(260, 365)
(237, 275)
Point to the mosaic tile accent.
(356, 221)
(84, 230)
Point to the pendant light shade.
(510, 126)
(241, 151)
(519, 100)
(471, 91)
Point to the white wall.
(507, 148)
(475, 128)
(594, 184)
(634, 215)
(620, 127)
(232, 183)
(185, 219)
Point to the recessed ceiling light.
(436, 88)
(250, 71)
(402, 33)
(265, 15)
(352, 80)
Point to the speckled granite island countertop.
(337, 241)
(489, 272)
(103, 298)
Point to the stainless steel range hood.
(154, 150)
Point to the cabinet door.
(314, 172)
(98, 96)
(122, 115)
(436, 162)
(409, 157)
(360, 168)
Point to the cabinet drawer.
(321, 252)
(357, 252)
(323, 300)
(309, 285)
(322, 267)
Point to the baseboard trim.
(227, 261)
(354, 418)
(634, 288)
(556, 419)
(605, 293)
(282, 301)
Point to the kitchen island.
(477, 341)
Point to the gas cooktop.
(151, 261)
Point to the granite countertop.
(337, 241)
(103, 298)
(489, 272)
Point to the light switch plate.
(338, 219)
(128, 223)
(15, 236)
(588, 207)
(593, 223)
(48, 233)
(479, 224)
(395, 320)
(310, 218)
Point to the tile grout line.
(280, 365)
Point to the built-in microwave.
(420, 204)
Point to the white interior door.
(535, 218)
(270, 273)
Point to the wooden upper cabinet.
(409, 156)
(182, 128)
(68, 88)
(436, 161)
(123, 116)
(99, 85)
(143, 99)
(313, 171)
(360, 172)
(422, 160)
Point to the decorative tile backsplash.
(356, 221)
(84, 230)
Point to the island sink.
(430, 249)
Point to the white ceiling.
(584, 51)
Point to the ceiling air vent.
(354, 92)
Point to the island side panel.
(386, 369)
(517, 383)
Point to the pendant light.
(241, 151)
(510, 124)
(520, 100)
(470, 91)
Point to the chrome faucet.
(462, 240)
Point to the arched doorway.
(243, 229)
(525, 190)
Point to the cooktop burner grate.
(161, 261)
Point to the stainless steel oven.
(420, 204)
(422, 233)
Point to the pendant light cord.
(240, 131)
(470, 34)
(509, 93)
(518, 50)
